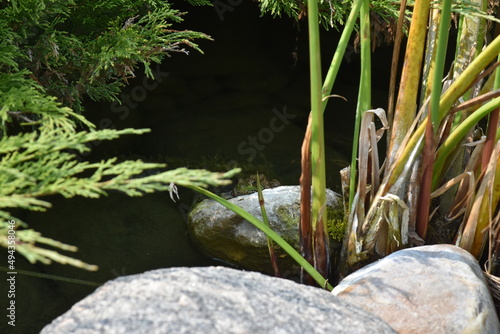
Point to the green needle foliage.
(77, 48)
(331, 14)
(52, 54)
(200, 2)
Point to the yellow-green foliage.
(336, 223)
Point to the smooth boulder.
(429, 289)
(212, 300)
(220, 233)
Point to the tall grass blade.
(270, 246)
(305, 227)
(270, 233)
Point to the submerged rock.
(429, 289)
(222, 234)
(212, 300)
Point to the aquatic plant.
(390, 204)
(395, 204)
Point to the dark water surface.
(246, 100)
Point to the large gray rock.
(212, 300)
(222, 234)
(429, 289)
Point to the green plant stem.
(333, 70)
(270, 233)
(318, 217)
(468, 76)
(458, 134)
(339, 53)
(442, 44)
(364, 95)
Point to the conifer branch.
(52, 53)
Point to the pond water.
(245, 102)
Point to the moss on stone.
(336, 223)
(284, 215)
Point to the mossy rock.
(220, 233)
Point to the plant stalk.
(406, 104)
(364, 94)
(424, 201)
(320, 239)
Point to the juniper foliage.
(200, 2)
(52, 54)
(332, 13)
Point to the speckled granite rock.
(212, 300)
(429, 289)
